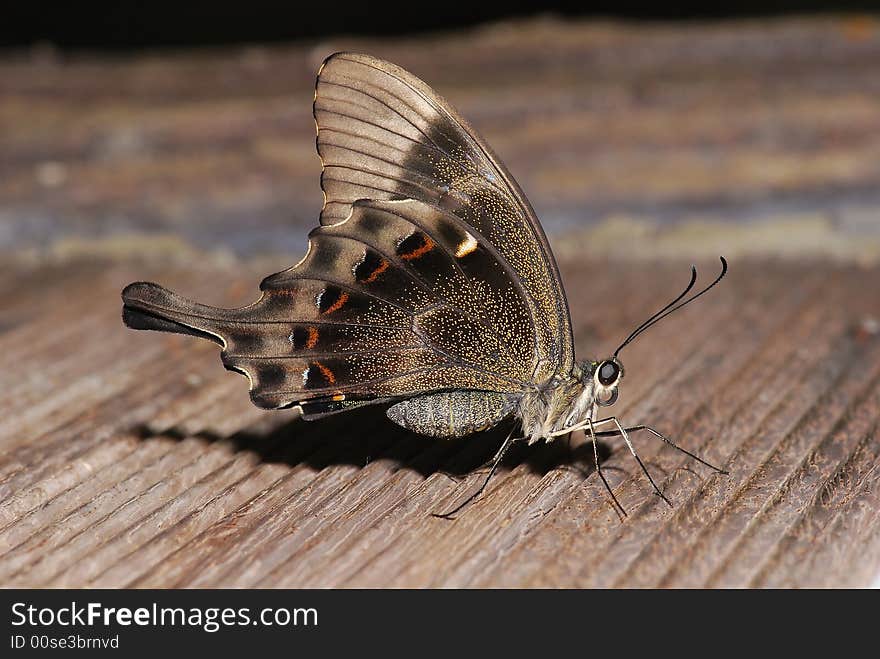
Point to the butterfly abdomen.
(452, 413)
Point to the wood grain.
(146, 465)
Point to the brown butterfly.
(430, 284)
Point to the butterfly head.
(607, 375)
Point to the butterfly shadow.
(360, 437)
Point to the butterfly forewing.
(384, 134)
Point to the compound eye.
(608, 373)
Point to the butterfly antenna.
(650, 320)
(675, 305)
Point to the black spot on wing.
(304, 337)
(414, 246)
(271, 376)
(326, 374)
(450, 233)
(331, 299)
(370, 268)
(244, 339)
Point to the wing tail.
(148, 306)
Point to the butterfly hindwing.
(358, 317)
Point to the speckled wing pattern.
(428, 273)
(385, 134)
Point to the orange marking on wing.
(326, 372)
(426, 247)
(382, 267)
(340, 302)
(312, 339)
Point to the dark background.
(127, 24)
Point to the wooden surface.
(134, 459)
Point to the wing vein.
(432, 146)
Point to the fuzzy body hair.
(562, 402)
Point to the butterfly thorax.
(561, 402)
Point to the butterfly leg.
(623, 433)
(614, 433)
(488, 464)
(617, 505)
(496, 461)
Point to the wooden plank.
(776, 377)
